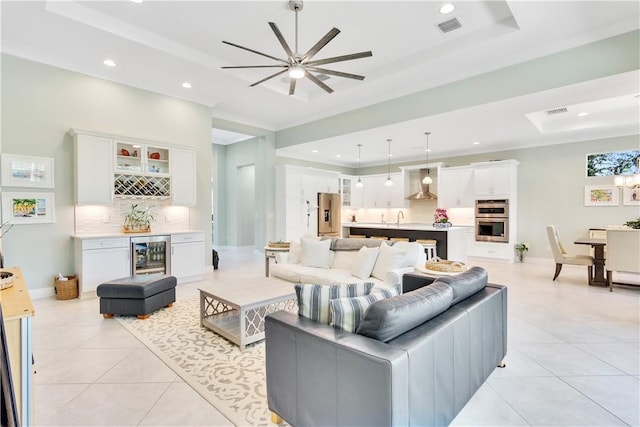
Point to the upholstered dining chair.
(623, 254)
(560, 255)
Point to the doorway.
(246, 205)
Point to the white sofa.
(337, 260)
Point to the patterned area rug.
(234, 382)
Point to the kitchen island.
(452, 241)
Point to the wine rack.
(141, 186)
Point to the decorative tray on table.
(280, 245)
(6, 279)
(443, 267)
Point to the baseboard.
(42, 293)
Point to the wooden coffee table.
(237, 312)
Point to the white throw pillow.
(294, 253)
(316, 253)
(343, 260)
(389, 258)
(364, 262)
(412, 249)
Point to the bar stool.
(430, 247)
(399, 239)
(357, 236)
(379, 237)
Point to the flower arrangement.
(441, 215)
(521, 247)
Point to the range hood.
(424, 193)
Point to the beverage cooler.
(150, 255)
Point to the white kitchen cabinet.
(93, 163)
(493, 250)
(183, 176)
(357, 194)
(100, 260)
(456, 187)
(495, 179)
(377, 195)
(187, 256)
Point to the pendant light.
(359, 184)
(427, 179)
(388, 182)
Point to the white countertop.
(127, 235)
(402, 226)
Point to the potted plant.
(138, 219)
(521, 248)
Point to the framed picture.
(613, 163)
(631, 195)
(27, 171)
(601, 195)
(27, 208)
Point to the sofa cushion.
(315, 253)
(391, 317)
(313, 300)
(294, 253)
(343, 259)
(465, 284)
(389, 258)
(346, 313)
(364, 262)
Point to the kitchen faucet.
(400, 213)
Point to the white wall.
(41, 103)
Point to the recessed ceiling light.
(314, 151)
(476, 143)
(338, 155)
(447, 8)
(186, 85)
(109, 62)
(583, 114)
(137, 1)
(428, 150)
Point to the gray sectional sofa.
(415, 359)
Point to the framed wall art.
(27, 171)
(631, 195)
(27, 208)
(613, 163)
(601, 195)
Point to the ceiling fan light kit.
(297, 65)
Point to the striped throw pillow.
(346, 313)
(313, 300)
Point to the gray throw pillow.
(388, 318)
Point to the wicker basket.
(66, 289)
(279, 245)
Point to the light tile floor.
(573, 358)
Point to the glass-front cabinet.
(141, 170)
(140, 158)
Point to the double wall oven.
(492, 220)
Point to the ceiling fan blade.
(267, 78)
(318, 82)
(256, 66)
(321, 43)
(340, 58)
(336, 73)
(292, 86)
(281, 39)
(255, 51)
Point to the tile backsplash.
(109, 219)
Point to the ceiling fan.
(299, 65)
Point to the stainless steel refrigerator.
(329, 214)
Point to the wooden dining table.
(598, 258)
